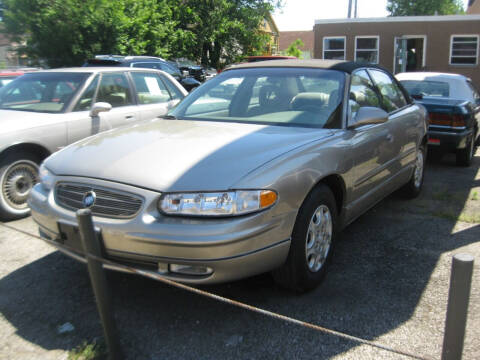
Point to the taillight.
(453, 120)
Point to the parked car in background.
(148, 62)
(210, 73)
(256, 170)
(195, 70)
(453, 105)
(44, 111)
(8, 76)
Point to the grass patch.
(463, 217)
(86, 351)
(474, 195)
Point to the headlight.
(217, 203)
(46, 177)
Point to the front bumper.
(448, 141)
(232, 248)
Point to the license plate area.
(70, 236)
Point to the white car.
(433, 84)
(42, 112)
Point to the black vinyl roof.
(345, 66)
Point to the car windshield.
(272, 96)
(41, 92)
(427, 87)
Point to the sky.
(301, 14)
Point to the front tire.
(312, 242)
(18, 175)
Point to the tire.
(18, 174)
(414, 186)
(464, 156)
(310, 255)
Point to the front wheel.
(312, 242)
(18, 174)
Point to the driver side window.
(362, 93)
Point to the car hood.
(13, 120)
(179, 155)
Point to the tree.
(222, 31)
(293, 48)
(424, 7)
(66, 32)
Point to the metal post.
(349, 9)
(457, 309)
(91, 245)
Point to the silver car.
(42, 112)
(257, 170)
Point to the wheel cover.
(17, 182)
(418, 175)
(319, 238)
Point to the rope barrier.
(152, 275)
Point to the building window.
(334, 48)
(366, 49)
(464, 50)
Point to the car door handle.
(130, 117)
(390, 137)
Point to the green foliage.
(221, 31)
(424, 7)
(86, 351)
(66, 32)
(293, 48)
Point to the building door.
(409, 53)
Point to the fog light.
(190, 269)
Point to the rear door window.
(150, 89)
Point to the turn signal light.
(267, 198)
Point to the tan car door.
(370, 145)
(402, 122)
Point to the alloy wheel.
(319, 238)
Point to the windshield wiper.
(168, 117)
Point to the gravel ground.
(388, 283)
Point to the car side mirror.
(368, 116)
(99, 107)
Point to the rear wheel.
(312, 242)
(18, 174)
(464, 156)
(414, 186)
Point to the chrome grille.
(109, 203)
